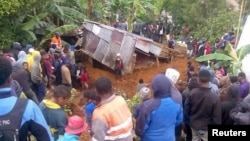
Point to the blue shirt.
(89, 109)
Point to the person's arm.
(216, 117)
(98, 130)
(34, 122)
(68, 77)
(179, 117)
(61, 124)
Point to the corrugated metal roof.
(104, 42)
(127, 50)
(101, 50)
(142, 45)
(110, 56)
(155, 49)
(92, 42)
(117, 36)
(105, 34)
(88, 26)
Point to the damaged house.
(102, 43)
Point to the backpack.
(11, 122)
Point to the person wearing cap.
(144, 94)
(56, 40)
(73, 130)
(158, 117)
(118, 67)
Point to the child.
(74, 129)
(85, 78)
(144, 95)
(89, 106)
(140, 85)
(53, 112)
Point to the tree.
(39, 18)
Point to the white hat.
(118, 54)
(31, 50)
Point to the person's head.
(103, 87)
(233, 93)
(181, 86)
(96, 98)
(87, 95)
(1, 52)
(241, 76)
(57, 34)
(145, 94)
(79, 66)
(193, 83)
(66, 62)
(233, 79)
(25, 65)
(141, 81)
(161, 86)
(76, 125)
(189, 63)
(118, 56)
(5, 72)
(61, 94)
(204, 77)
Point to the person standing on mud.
(118, 67)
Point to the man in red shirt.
(118, 67)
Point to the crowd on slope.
(209, 96)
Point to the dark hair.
(204, 76)
(62, 91)
(193, 83)
(96, 97)
(233, 92)
(5, 70)
(89, 94)
(242, 74)
(103, 86)
(233, 79)
(141, 81)
(25, 63)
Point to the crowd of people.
(209, 96)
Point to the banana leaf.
(215, 56)
(243, 51)
(32, 22)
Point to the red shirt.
(207, 48)
(84, 77)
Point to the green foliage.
(8, 6)
(133, 102)
(215, 56)
(229, 58)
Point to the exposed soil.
(130, 81)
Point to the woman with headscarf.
(232, 100)
(224, 85)
(22, 56)
(159, 116)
